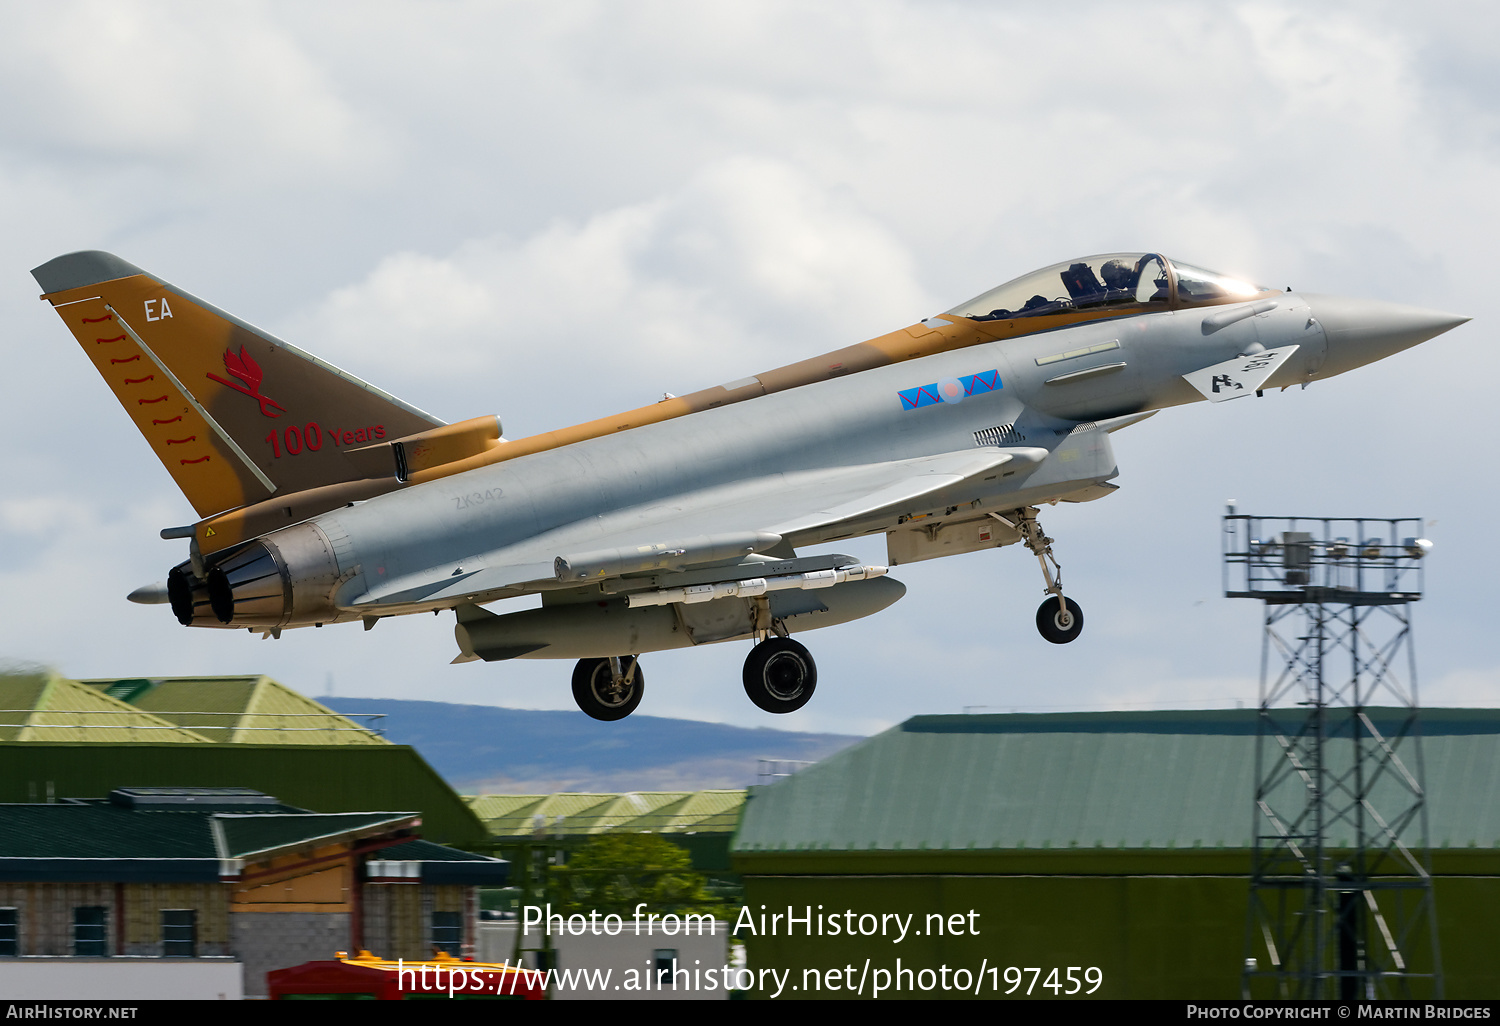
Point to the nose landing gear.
(1059, 619)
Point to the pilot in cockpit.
(1118, 274)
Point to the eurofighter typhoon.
(323, 499)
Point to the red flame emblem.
(249, 374)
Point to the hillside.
(485, 749)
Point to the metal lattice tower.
(1341, 899)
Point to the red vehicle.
(377, 979)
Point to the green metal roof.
(252, 709)
(42, 706)
(699, 812)
(1087, 780)
(99, 830)
(45, 707)
(258, 834)
(434, 864)
(105, 829)
(632, 812)
(523, 815)
(330, 778)
(426, 851)
(72, 738)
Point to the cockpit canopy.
(1106, 285)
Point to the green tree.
(616, 872)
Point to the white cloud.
(222, 90)
(38, 515)
(556, 212)
(751, 265)
(1470, 686)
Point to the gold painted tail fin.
(234, 414)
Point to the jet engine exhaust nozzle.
(283, 579)
(189, 597)
(249, 586)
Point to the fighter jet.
(322, 499)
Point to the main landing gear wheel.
(780, 675)
(1057, 626)
(608, 689)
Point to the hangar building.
(137, 824)
(1117, 840)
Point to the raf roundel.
(950, 390)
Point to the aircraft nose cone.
(1361, 331)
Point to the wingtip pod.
(76, 270)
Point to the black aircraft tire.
(1050, 623)
(780, 675)
(596, 695)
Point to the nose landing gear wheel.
(780, 675)
(608, 692)
(1057, 626)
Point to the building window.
(448, 931)
(666, 961)
(179, 932)
(90, 934)
(10, 945)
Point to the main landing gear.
(780, 675)
(608, 689)
(1059, 619)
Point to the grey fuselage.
(536, 507)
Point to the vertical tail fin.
(234, 414)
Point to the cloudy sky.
(556, 211)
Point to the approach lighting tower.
(1340, 884)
